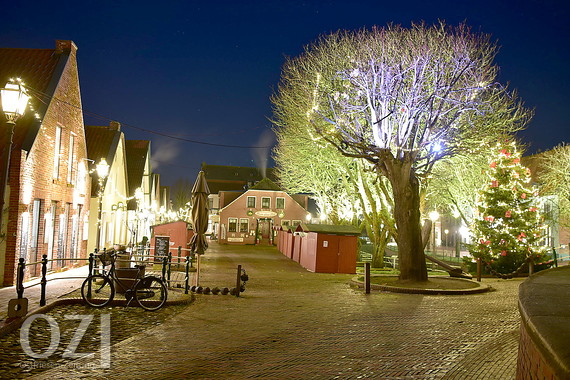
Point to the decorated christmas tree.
(508, 227)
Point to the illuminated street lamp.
(14, 102)
(434, 216)
(102, 170)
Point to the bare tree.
(401, 99)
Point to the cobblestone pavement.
(294, 324)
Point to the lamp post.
(14, 102)
(434, 216)
(102, 169)
(446, 231)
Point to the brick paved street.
(294, 324)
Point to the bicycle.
(98, 290)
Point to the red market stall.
(169, 236)
(328, 248)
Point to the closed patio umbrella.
(198, 243)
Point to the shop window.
(232, 224)
(285, 223)
(296, 223)
(244, 225)
(280, 203)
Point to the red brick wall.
(530, 363)
(31, 176)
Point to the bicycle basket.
(105, 257)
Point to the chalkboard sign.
(161, 247)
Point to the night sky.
(205, 70)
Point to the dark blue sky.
(205, 70)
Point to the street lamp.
(434, 216)
(102, 169)
(14, 102)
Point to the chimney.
(65, 46)
(115, 126)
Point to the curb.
(8, 326)
(395, 289)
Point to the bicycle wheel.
(151, 293)
(97, 290)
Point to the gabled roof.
(224, 178)
(330, 229)
(136, 152)
(266, 184)
(41, 70)
(102, 142)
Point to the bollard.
(554, 256)
(91, 264)
(206, 290)
(531, 267)
(43, 281)
(367, 277)
(179, 255)
(187, 278)
(215, 290)
(238, 281)
(20, 278)
(225, 291)
(479, 269)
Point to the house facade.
(142, 205)
(108, 219)
(249, 217)
(46, 209)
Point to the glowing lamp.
(434, 215)
(14, 101)
(102, 169)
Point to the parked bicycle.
(98, 290)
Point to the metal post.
(531, 267)
(197, 270)
(91, 271)
(5, 171)
(20, 278)
(555, 257)
(43, 281)
(91, 262)
(169, 265)
(187, 278)
(479, 269)
(164, 263)
(367, 278)
(179, 253)
(238, 280)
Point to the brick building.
(47, 198)
(248, 217)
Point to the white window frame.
(56, 151)
(70, 158)
(243, 221)
(235, 221)
(277, 203)
(262, 199)
(254, 201)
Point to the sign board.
(266, 214)
(161, 247)
(235, 240)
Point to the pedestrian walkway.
(293, 324)
(58, 285)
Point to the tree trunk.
(406, 190)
